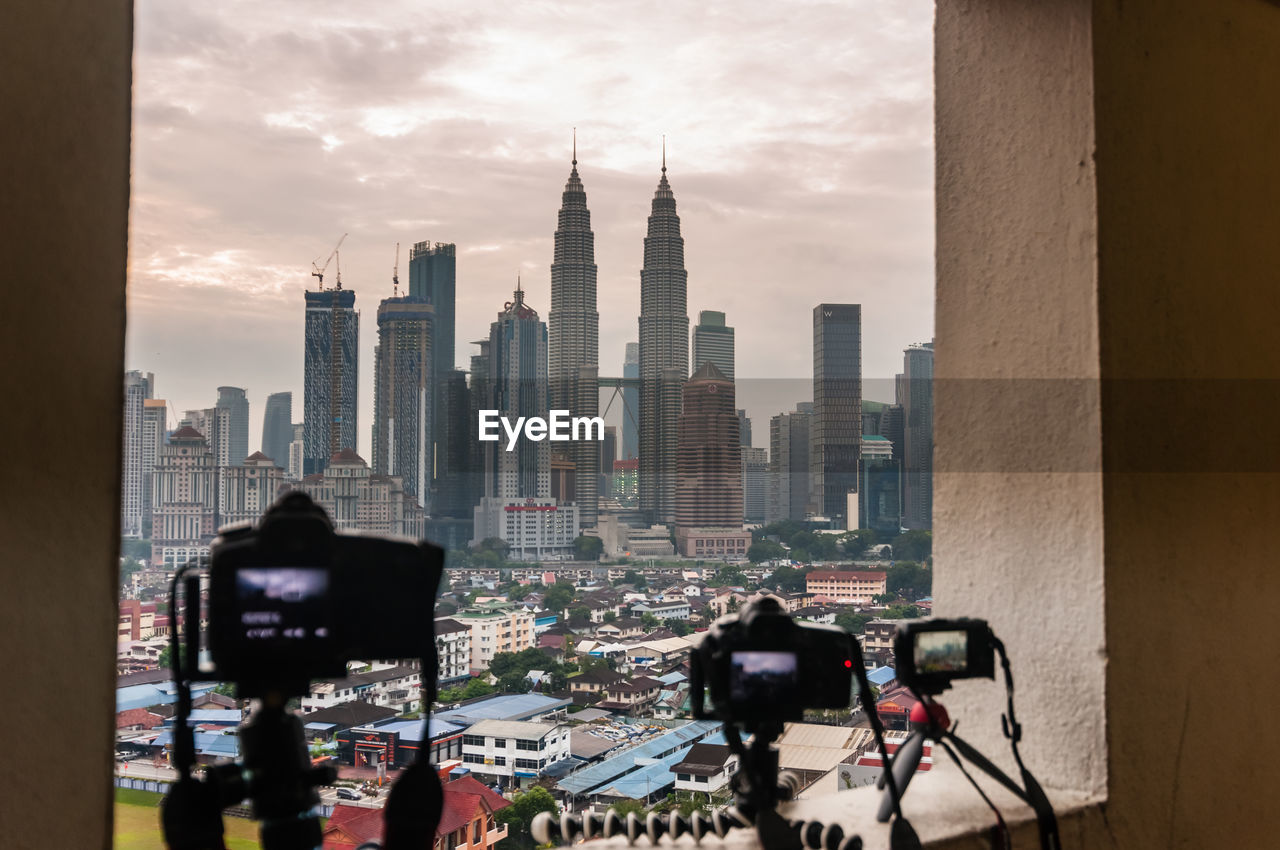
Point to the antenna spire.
(664, 153)
(575, 146)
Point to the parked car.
(347, 794)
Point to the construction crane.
(395, 275)
(318, 271)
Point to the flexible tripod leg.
(905, 762)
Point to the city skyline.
(821, 180)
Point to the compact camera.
(762, 665)
(292, 600)
(930, 654)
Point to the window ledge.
(943, 807)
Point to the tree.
(909, 580)
(610, 617)
(913, 546)
(764, 550)
(856, 543)
(622, 807)
(680, 627)
(166, 656)
(853, 621)
(579, 616)
(520, 814)
(648, 620)
(902, 612)
(634, 579)
(135, 549)
(559, 596)
(801, 555)
(789, 579)
(587, 548)
(685, 802)
(128, 567)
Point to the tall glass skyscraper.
(277, 428)
(234, 400)
(664, 353)
(837, 410)
(574, 335)
(330, 360)
(713, 343)
(402, 397)
(517, 387)
(916, 391)
(433, 275)
(631, 404)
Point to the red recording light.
(848, 664)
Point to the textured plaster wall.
(64, 161)
(1018, 511)
(1188, 130)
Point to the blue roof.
(321, 727)
(411, 730)
(503, 707)
(216, 715)
(672, 678)
(643, 781)
(207, 743)
(160, 693)
(607, 772)
(881, 675)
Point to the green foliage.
(902, 612)
(913, 546)
(634, 579)
(680, 627)
(728, 577)
(579, 616)
(788, 579)
(128, 567)
(227, 689)
(649, 621)
(587, 548)
(801, 556)
(909, 580)
(166, 656)
(622, 807)
(524, 807)
(764, 550)
(559, 596)
(137, 550)
(610, 617)
(685, 802)
(856, 543)
(884, 598)
(476, 687)
(444, 609)
(853, 621)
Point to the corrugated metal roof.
(881, 675)
(511, 729)
(646, 780)
(504, 707)
(607, 772)
(815, 735)
(811, 758)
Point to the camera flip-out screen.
(942, 652)
(761, 676)
(283, 603)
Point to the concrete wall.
(1107, 208)
(64, 155)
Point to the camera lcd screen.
(942, 652)
(759, 675)
(283, 603)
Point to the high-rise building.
(137, 389)
(277, 427)
(184, 516)
(248, 489)
(789, 474)
(457, 485)
(880, 491)
(755, 472)
(713, 342)
(608, 454)
(330, 366)
(917, 454)
(155, 420)
(403, 426)
(517, 360)
(214, 424)
(355, 498)
(744, 427)
(233, 399)
(296, 453)
(574, 335)
(664, 353)
(891, 427)
(837, 409)
(709, 471)
(631, 404)
(433, 271)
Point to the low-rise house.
(677, 610)
(594, 681)
(706, 768)
(397, 687)
(514, 752)
(467, 820)
(631, 696)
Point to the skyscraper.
(837, 409)
(574, 334)
(744, 427)
(185, 515)
(664, 353)
(917, 408)
(518, 387)
(233, 399)
(789, 474)
(433, 271)
(708, 497)
(631, 404)
(155, 420)
(277, 428)
(332, 338)
(403, 428)
(713, 342)
(137, 389)
(755, 472)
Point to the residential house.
(631, 696)
(706, 768)
(397, 687)
(514, 751)
(467, 820)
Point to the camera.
(762, 666)
(292, 600)
(930, 654)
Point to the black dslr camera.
(930, 654)
(291, 600)
(763, 666)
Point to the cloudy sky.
(799, 147)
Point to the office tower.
(155, 420)
(137, 387)
(755, 472)
(573, 325)
(891, 427)
(433, 275)
(631, 404)
(233, 400)
(880, 491)
(248, 489)
(356, 499)
(713, 342)
(277, 428)
(456, 490)
(789, 474)
(296, 453)
(837, 410)
(664, 353)
(403, 380)
(518, 388)
(917, 455)
(330, 364)
(744, 427)
(184, 516)
(708, 497)
(608, 452)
